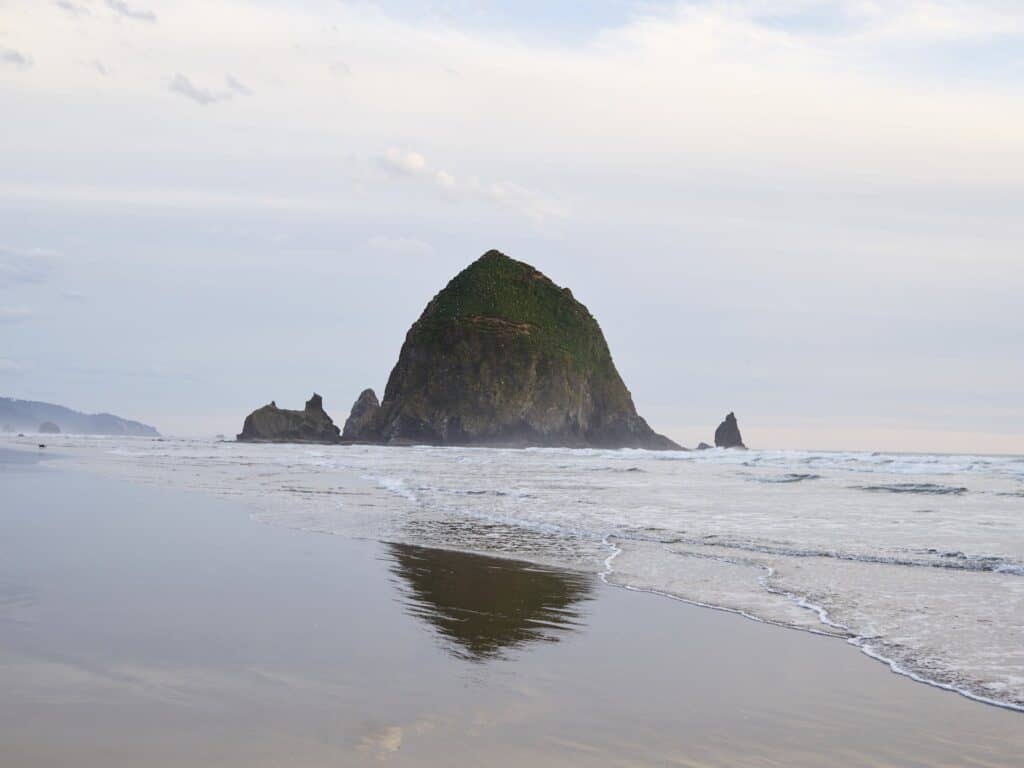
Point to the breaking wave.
(928, 489)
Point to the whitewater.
(916, 559)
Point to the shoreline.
(858, 642)
(862, 643)
(368, 640)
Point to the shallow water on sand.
(919, 559)
(141, 626)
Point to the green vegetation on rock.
(503, 356)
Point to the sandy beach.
(159, 627)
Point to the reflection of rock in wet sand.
(483, 605)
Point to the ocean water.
(916, 559)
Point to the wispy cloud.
(408, 164)
(405, 246)
(237, 86)
(14, 58)
(183, 86)
(14, 315)
(130, 11)
(10, 367)
(18, 266)
(72, 7)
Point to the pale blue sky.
(807, 212)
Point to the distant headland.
(47, 418)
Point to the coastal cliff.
(503, 356)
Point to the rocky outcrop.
(728, 433)
(704, 447)
(503, 356)
(271, 424)
(49, 428)
(361, 423)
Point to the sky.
(808, 212)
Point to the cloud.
(19, 267)
(10, 367)
(15, 58)
(407, 164)
(195, 198)
(130, 11)
(182, 85)
(237, 86)
(14, 315)
(444, 180)
(404, 163)
(383, 740)
(515, 197)
(204, 96)
(404, 246)
(72, 7)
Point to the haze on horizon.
(806, 211)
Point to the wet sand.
(141, 626)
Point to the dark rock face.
(704, 447)
(271, 424)
(728, 433)
(49, 428)
(503, 356)
(361, 423)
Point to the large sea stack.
(271, 424)
(503, 356)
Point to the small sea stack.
(271, 424)
(728, 433)
(360, 425)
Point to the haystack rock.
(728, 433)
(503, 356)
(271, 424)
(49, 428)
(361, 423)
